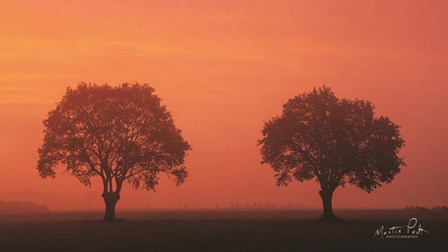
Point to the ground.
(218, 230)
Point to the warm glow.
(223, 68)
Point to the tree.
(119, 134)
(333, 141)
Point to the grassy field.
(218, 230)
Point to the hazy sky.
(222, 68)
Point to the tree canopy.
(119, 134)
(334, 141)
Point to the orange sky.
(222, 68)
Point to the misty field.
(218, 230)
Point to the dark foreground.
(218, 230)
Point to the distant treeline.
(21, 207)
(265, 205)
(425, 209)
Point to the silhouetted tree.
(334, 141)
(118, 133)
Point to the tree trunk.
(110, 199)
(328, 214)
